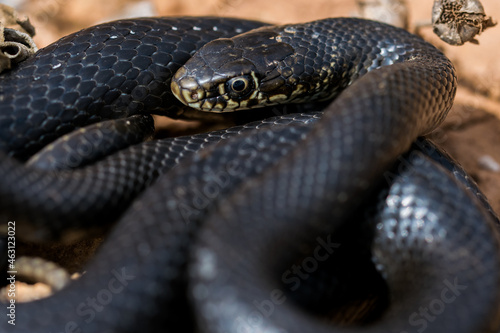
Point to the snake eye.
(239, 86)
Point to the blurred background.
(56, 18)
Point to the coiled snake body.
(268, 256)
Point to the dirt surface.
(470, 134)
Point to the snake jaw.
(203, 91)
(212, 92)
(191, 93)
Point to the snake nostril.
(194, 96)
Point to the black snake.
(265, 231)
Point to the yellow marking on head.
(186, 96)
(222, 89)
(278, 98)
(196, 105)
(299, 89)
(255, 80)
(219, 107)
(230, 104)
(180, 72)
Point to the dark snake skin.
(113, 70)
(265, 231)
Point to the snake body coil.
(109, 71)
(269, 256)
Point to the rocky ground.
(470, 134)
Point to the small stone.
(487, 162)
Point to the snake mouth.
(191, 94)
(190, 97)
(187, 89)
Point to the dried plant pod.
(16, 42)
(459, 21)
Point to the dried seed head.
(459, 21)
(16, 43)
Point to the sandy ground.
(470, 134)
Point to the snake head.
(236, 73)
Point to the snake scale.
(280, 225)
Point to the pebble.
(488, 163)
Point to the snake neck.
(290, 64)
